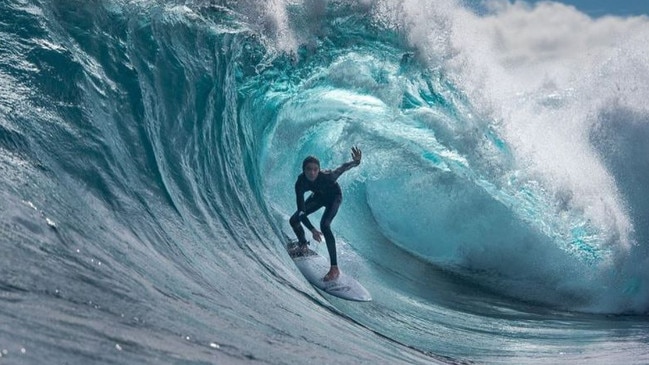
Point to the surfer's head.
(311, 168)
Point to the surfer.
(326, 193)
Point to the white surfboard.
(314, 267)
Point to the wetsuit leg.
(325, 226)
(311, 204)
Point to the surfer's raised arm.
(356, 160)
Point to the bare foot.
(332, 274)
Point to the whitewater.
(149, 149)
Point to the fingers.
(317, 235)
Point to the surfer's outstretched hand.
(317, 235)
(356, 154)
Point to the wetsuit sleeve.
(305, 220)
(299, 198)
(344, 167)
(299, 195)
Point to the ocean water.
(148, 151)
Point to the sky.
(599, 8)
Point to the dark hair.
(310, 159)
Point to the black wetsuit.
(326, 193)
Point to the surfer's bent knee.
(294, 220)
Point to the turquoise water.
(149, 149)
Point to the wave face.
(149, 150)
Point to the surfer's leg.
(310, 206)
(325, 226)
(297, 228)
